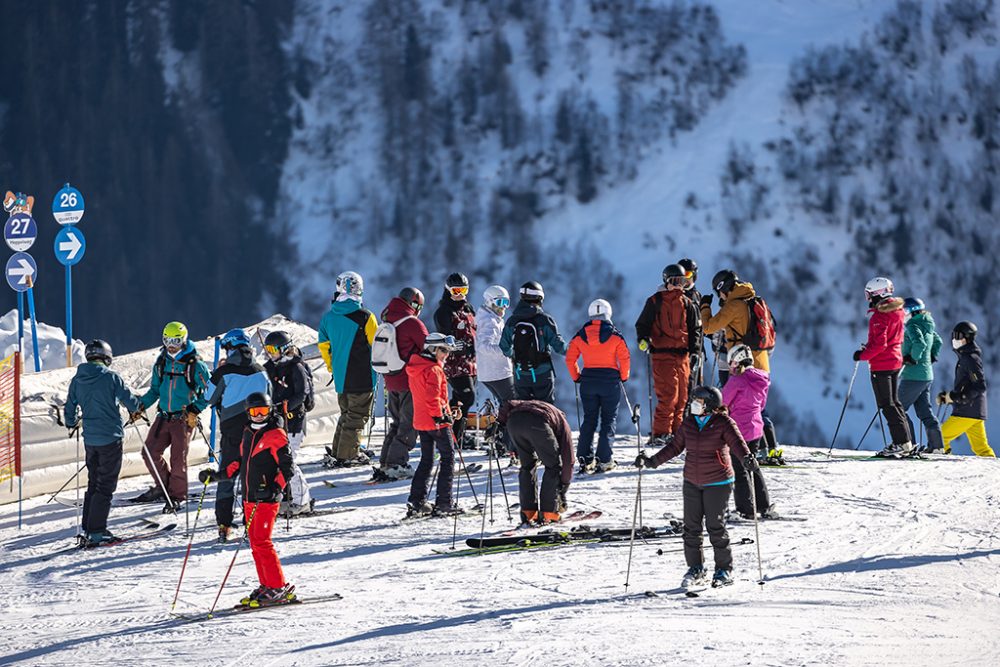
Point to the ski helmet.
(724, 281)
(532, 292)
(436, 341)
(413, 297)
(98, 350)
(673, 274)
(711, 397)
(966, 330)
(912, 304)
(276, 343)
(351, 284)
(599, 309)
(234, 338)
(496, 298)
(690, 267)
(879, 288)
(175, 334)
(457, 285)
(740, 355)
(258, 407)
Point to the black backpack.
(527, 344)
(188, 374)
(310, 400)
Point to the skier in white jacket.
(495, 370)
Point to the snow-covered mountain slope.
(896, 565)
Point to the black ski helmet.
(413, 297)
(675, 273)
(912, 304)
(724, 281)
(710, 396)
(691, 267)
(98, 350)
(966, 330)
(279, 340)
(456, 280)
(532, 292)
(258, 399)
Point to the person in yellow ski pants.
(968, 398)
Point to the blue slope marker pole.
(215, 413)
(69, 316)
(34, 328)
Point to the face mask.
(697, 408)
(907, 317)
(957, 343)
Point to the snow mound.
(51, 343)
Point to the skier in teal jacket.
(921, 347)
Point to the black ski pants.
(744, 478)
(463, 391)
(503, 391)
(230, 436)
(400, 438)
(536, 386)
(429, 441)
(706, 504)
(885, 385)
(535, 441)
(104, 463)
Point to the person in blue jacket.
(98, 391)
(529, 337)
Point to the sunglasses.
(261, 411)
(174, 341)
(458, 291)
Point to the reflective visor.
(459, 290)
(273, 350)
(174, 341)
(501, 302)
(260, 411)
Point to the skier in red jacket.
(884, 355)
(711, 440)
(432, 418)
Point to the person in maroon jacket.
(884, 355)
(403, 311)
(455, 317)
(711, 439)
(540, 432)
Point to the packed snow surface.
(897, 565)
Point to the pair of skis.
(152, 530)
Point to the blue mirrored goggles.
(501, 302)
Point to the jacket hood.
(419, 362)
(90, 372)
(345, 307)
(241, 356)
(606, 330)
(744, 291)
(970, 348)
(449, 303)
(889, 305)
(189, 349)
(757, 378)
(397, 310)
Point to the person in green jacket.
(921, 346)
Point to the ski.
(472, 467)
(155, 530)
(577, 532)
(572, 517)
(242, 609)
(66, 502)
(737, 519)
(743, 542)
(473, 513)
(325, 511)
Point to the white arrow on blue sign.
(21, 270)
(20, 232)
(70, 245)
(67, 206)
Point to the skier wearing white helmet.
(495, 370)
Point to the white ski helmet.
(496, 298)
(741, 355)
(351, 284)
(436, 340)
(599, 309)
(879, 287)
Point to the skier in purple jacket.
(745, 394)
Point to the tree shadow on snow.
(879, 563)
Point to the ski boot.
(607, 466)
(329, 459)
(774, 458)
(396, 473)
(891, 451)
(273, 596)
(587, 466)
(254, 594)
(445, 512)
(150, 495)
(295, 510)
(695, 575)
(172, 506)
(722, 577)
(224, 533)
(420, 509)
(770, 513)
(97, 538)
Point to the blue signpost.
(21, 271)
(20, 233)
(70, 246)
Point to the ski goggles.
(259, 411)
(459, 290)
(445, 344)
(274, 350)
(501, 302)
(677, 281)
(174, 341)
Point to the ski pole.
(503, 484)
(79, 509)
(579, 424)
(844, 409)
(634, 412)
(239, 546)
(458, 488)
(635, 516)
(756, 528)
(187, 554)
(74, 476)
(882, 426)
(464, 467)
(865, 434)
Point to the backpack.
(385, 348)
(188, 374)
(760, 334)
(310, 400)
(527, 345)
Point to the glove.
(706, 300)
(750, 463)
(442, 419)
(137, 416)
(191, 418)
(561, 503)
(232, 469)
(944, 398)
(643, 461)
(933, 360)
(207, 476)
(857, 354)
(909, 361)
(643, 345)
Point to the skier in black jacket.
(456, 318)
(968, 398)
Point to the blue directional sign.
(70, 246)
(21, 271)
(67, 206)
(20, 232)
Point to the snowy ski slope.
(897, 565)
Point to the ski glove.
(232, 469)
(561, 503)
(857, 354)
(909, 361)
(751, 464)
(137, 416)
(442, 419)
(643, 345)
(945, 398)
(706, 300)
(208, 476)
(191, 418)
(643, 461)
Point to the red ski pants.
(269, 571)
(670, 381)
